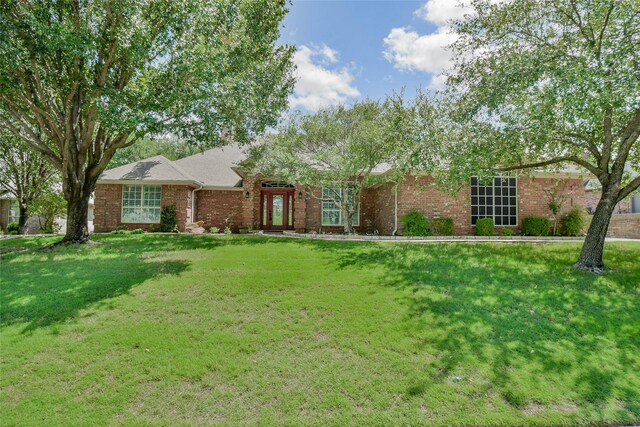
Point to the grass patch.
(174, 330)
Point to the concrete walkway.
(442, 239)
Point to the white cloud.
(330, 55)
(441, 12)
(409, 51)
(318, 86)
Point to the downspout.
(395, 213)
(193, 203)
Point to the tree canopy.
(345, 149)
(171, 148)
(80, 80)
(25, 173)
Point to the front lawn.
(184, 330)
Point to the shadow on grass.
(42, 286)
(49, 288)
(521, 310)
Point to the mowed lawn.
(193, 330)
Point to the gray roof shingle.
(213, 168)
(157, 168)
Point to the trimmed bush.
(414, 223)
(507, 232)
(536, 226)
(441, 226)
(484, 227)
(572, 223)
(168, 219)
(13, 228)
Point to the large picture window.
(331, 212)
(495, 199)
(141, 203)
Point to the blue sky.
(350, 50)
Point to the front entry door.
(277, 210)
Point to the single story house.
(214, 187)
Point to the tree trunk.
(348, 221)
(77, 226)
(22, 218)
(593, 247)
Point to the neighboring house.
(10, 212)
(214, 188)
(9, 209)
(593, 193)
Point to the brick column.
(248, 204)
(300, 209)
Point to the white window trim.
(356, 222)
(122, 206)
(493, 194)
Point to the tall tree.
(342, 149)
(544, 83)
(95, 76)
(25, 173)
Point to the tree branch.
(628, 189)
(574, 159)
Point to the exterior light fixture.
(247, 195)
(300, 195)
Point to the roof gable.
(214, 167)
(157, 168)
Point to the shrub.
(414, 223)
(507, 232)
(441, 226)
(168, 219)
(214, 230)
(227, 230)
(137, 231)
(47, 208)
(572, 223)
(536, 226)
(484, 227)
(13, 228)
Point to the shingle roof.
(157, 168)
(213, 168)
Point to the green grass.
(184, 330)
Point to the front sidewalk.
(423, 239)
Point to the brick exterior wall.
(220, 208)
(625, 225)
(420, 193)
(108, 206)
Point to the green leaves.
(541, 76)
